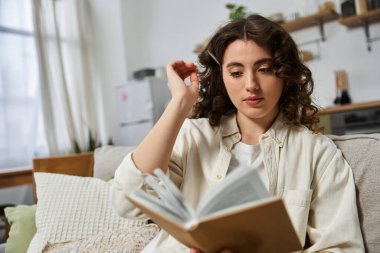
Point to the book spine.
(361, 6)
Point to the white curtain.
(71, 98)
(21, 129)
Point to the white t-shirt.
(245, 155)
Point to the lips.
(253, 100)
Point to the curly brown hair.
(295, 102)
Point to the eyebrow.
(256, 64)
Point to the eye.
(236, 74)
(265, 70)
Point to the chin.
(259, 114)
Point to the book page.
(175, 193)
(168, 195)
(154, 203)
(241, 186)
(164, 195)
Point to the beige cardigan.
(306, 169)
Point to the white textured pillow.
(71, 208)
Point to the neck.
(251, 129)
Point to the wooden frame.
(16, 177)
(76, 165)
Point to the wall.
(157, 32)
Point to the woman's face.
(250, 81)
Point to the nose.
(251, 83)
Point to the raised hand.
(177, 72)
(160, 140)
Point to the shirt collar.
(229, 125)
(278, 131)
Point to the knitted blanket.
(131, 240)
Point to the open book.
(238, 214)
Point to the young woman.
(251, 106)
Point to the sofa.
(362, 152)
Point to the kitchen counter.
(349, 107)
(354, 118)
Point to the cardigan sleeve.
(333, 224)
(128, 178)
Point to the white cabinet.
(140, 104)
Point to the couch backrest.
(362, 152)
(107, 159)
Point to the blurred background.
(75, 75)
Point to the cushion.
(23, 227)
(107, 159)
(362, 153)
(71, 208)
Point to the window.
(21, 124)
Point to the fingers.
(194, 82)
(182, 68)
(177, 72)
(195, 251)
(181, 65)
